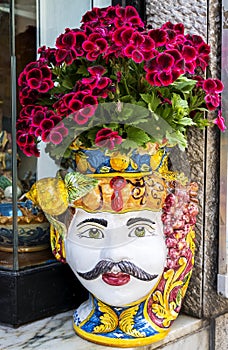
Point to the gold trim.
(25, 249)
(123, 343)
(112, 211)
(125, 174)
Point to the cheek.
(151, 254)
(81, 258)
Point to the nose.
(115, 254)
(117, 246)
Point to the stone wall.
(201, 17)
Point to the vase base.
(121, 327)
(119, 342)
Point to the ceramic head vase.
(110, 100)
(129, 239)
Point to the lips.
(116, 279)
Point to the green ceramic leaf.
(78, 185)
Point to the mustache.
(128, 267)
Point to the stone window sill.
(57, 333)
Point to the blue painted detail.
(140, 322)
(97, 159)
(140, 159)
(76, 318)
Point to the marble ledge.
(57, 333)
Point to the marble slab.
(56, 333)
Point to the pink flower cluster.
(38, 121)
(180, 54)
(179, 217)
(87, 67)
(212, 89)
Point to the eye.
(93, 232)
(141, 231)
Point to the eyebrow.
(98, 221)
(135, 220)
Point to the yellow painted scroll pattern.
(126, 322)
(109, 319)
(162, 307)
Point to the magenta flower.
(159, 37)
(81, 105)
(39, 78)
(57, 134)
(80, 100)
(140, 47)
(28, 96)
(177, 28)
(98, 18)
(220, 121)
(97, 84)
(203, 50)
(62, 104)
(179, 61)
(212, 101)
(91, 17)
(97, 80)
(36, 121)
(161, 70)
(94, 46)
(107, 138)
(203, 57)
(47, 54)
(26, 113)
(81, 117)
(36, 76)
(25, 141)
(69, 46)
(212, 87)
(127, 16)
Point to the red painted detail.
(117, 183)
(116, 279)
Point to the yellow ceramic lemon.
(155, 159)
(50, 194)
(82, 164)
(119, 162)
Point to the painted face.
(117, 257)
